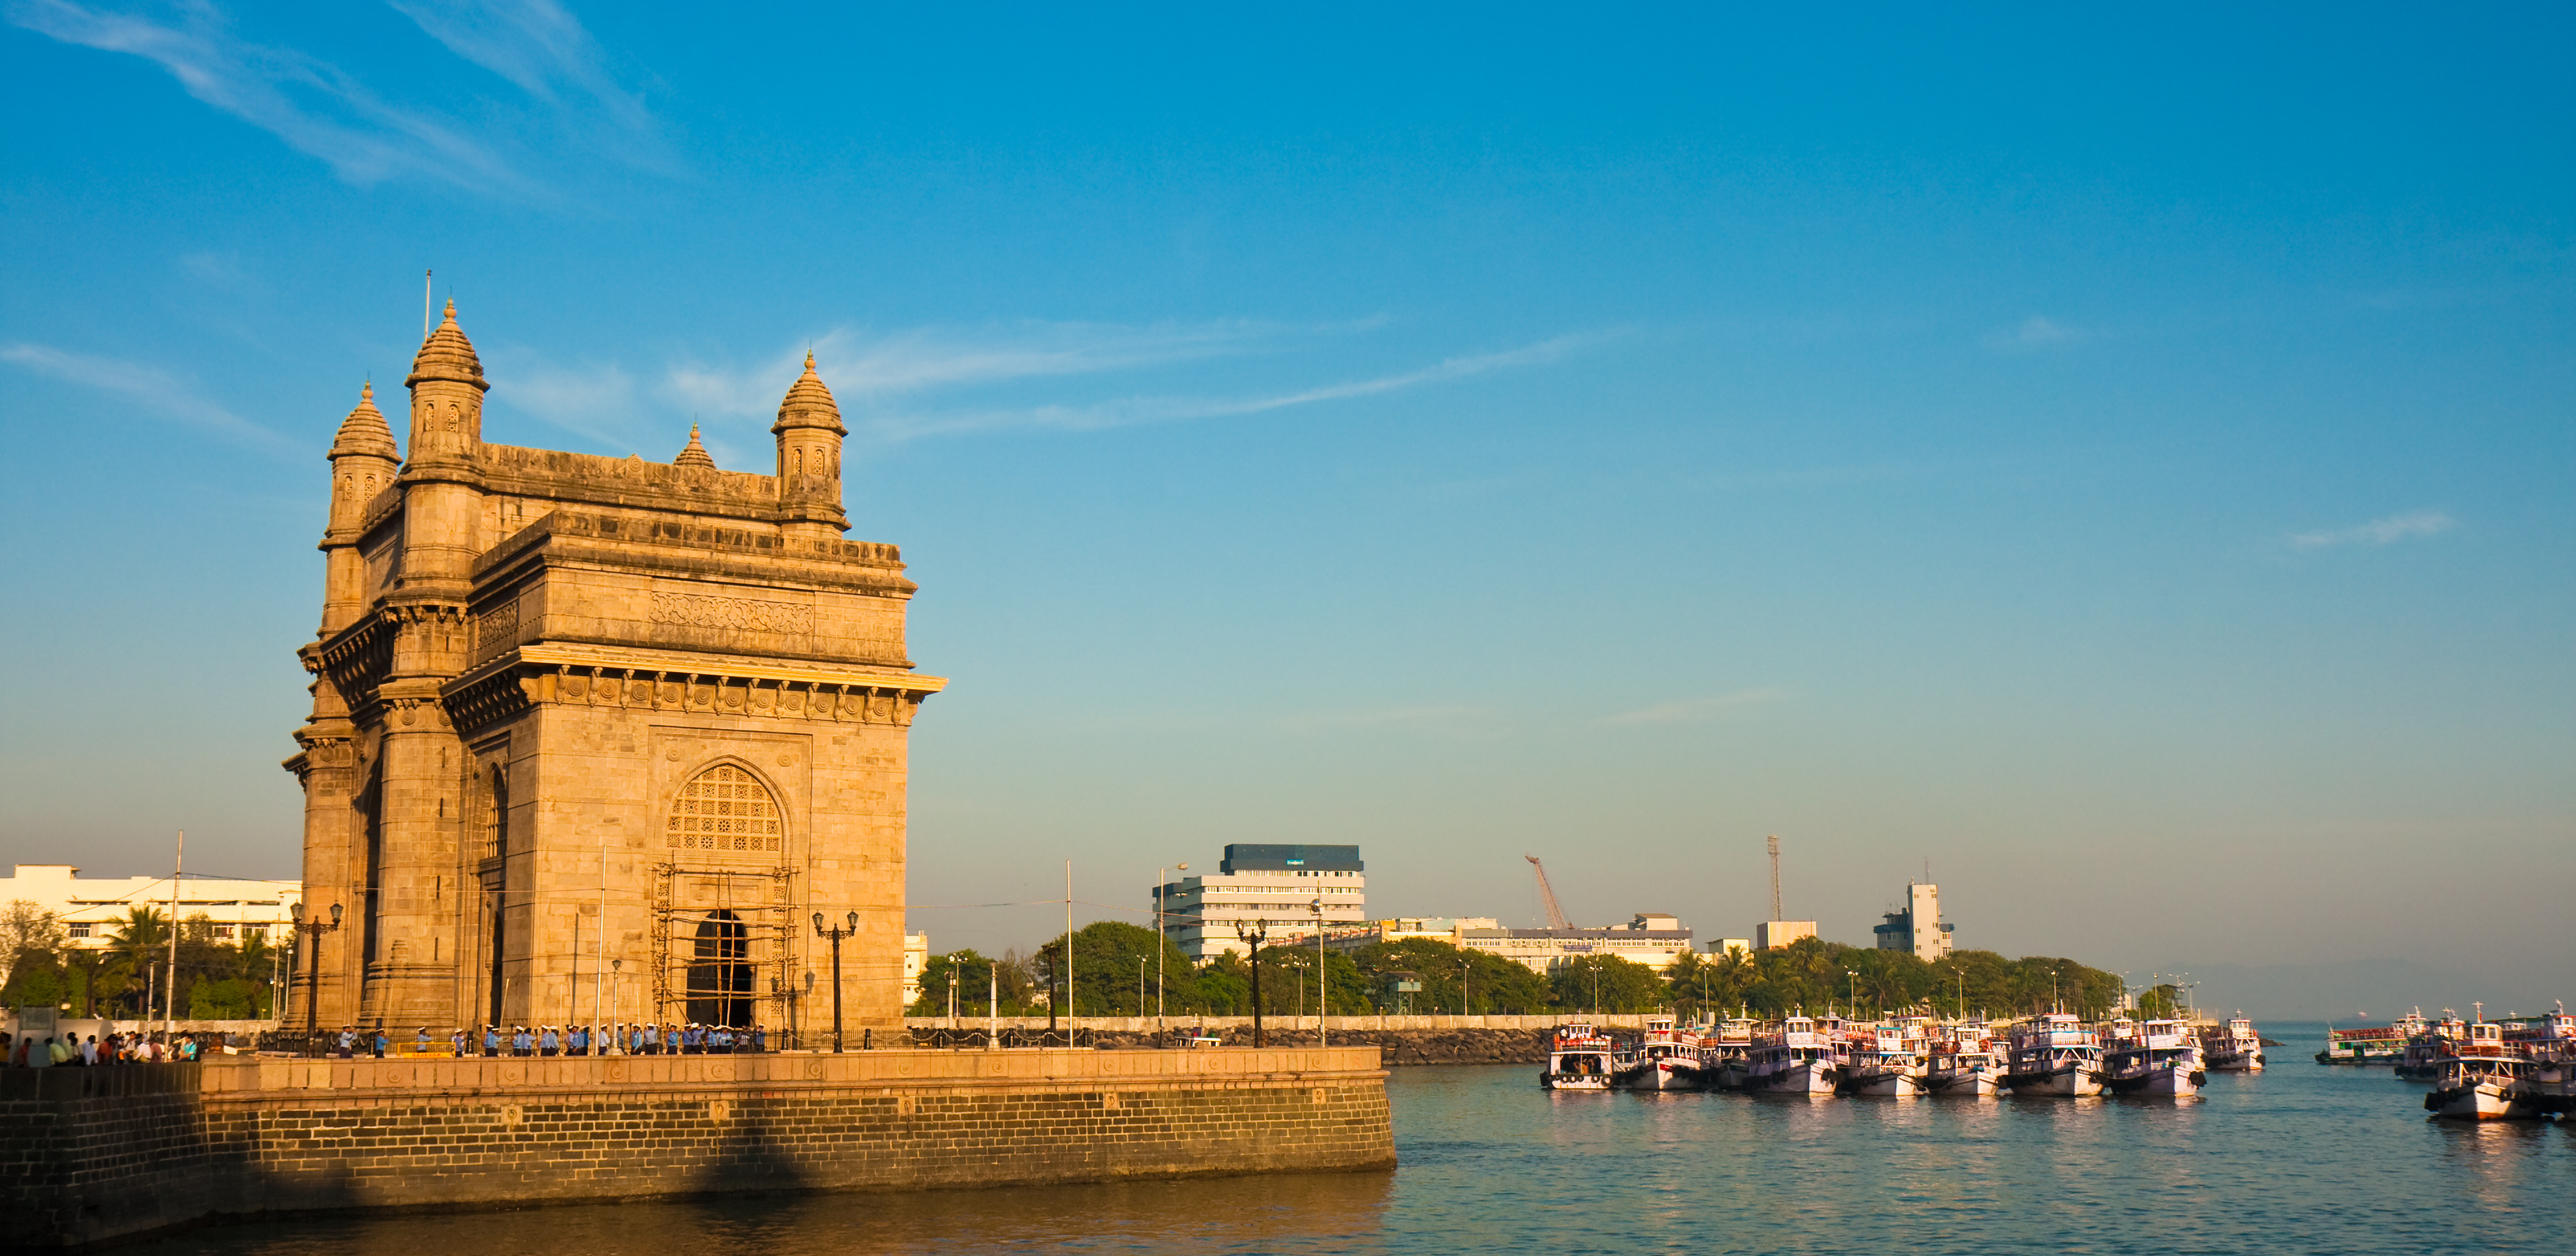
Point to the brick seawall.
(93, 1155)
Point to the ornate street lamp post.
(309, 932)
(835, 933)
(1253, 933)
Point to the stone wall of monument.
(94, 1155)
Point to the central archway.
(720, 973)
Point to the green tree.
(1491, 984)
(32, 942)
(2160, 1002)
(140, 944)
(1106, 968)
(1606, 983)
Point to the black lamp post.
(310, 933)
(835, 933)
(1253, 933)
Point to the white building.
(916, 959)
(1449, 929)
(90, 907)
(1286, 889)
(1653, 939)
(1919, 928)
(1773, 934)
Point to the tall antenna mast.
(424, 303)
(1547, 897)
(1775, 876)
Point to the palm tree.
(140, 941)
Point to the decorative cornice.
(671, 681)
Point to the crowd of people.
(491, 1041)
(74, 1050)
(488, 1041)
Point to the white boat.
(1793, 1060)
(2160, 1060)
(2481, 1079)
(1725, 1057)
(2232, 1047)
(2548, 1041)
(1963, 1063)
(1887, 1064)
(1662, 1060)
(1578, 1059)
(2054, 1055)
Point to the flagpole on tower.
(424, 303)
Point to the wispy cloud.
(1448, 721)
(544, 50)
(307, 102)
(1695, 710)
(154, 389)
(321, 110)
(593, 399)
(2032, 333)
(1127, 411)
(2386, 531)
(862, 366)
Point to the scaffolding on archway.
(761, 901)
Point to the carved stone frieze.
(742, 614)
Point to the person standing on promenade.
(377, 1042)
(550, 1043)
(348, 1041)
(521, 1045)
(759, 1039)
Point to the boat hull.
(2482, 1101)
(2159, 1083)
(1667, 1074)
(1573, 1081)
(1967, 1084)
(2072, 1081)
(1806, 1077)
(1883, 1085)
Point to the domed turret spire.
(809, 436)
(447, 355)
(695, 455)
(365, 431)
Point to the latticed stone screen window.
(725, 808)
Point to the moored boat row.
(1902, 1057)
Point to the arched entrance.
(720, 972)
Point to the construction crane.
(1775, 876)
(1555, 914)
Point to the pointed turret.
(446, 396)
(447, 354)
(363, 462)
(695, 455)
(365, 431)
(809, 435)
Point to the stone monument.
(594, 739)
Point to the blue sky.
(2122, 458)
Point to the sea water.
(2299, 1158)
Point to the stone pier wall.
(94, 1155)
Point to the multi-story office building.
(90, 907)
(1286, 889)
(1919, 928)
(1653, 939)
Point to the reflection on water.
(2300, 1158)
